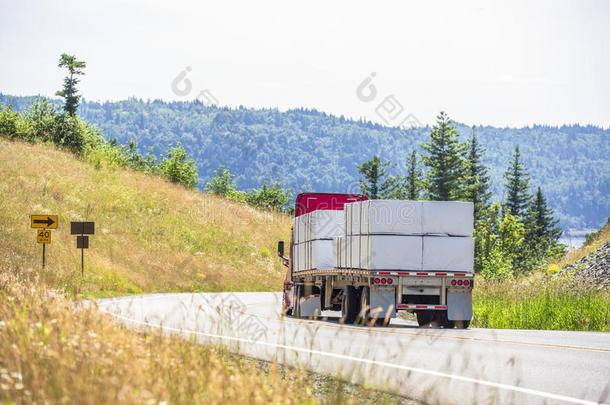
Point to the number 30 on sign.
(44, 236)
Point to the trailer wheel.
(349, 305)
(424, 318)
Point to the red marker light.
(453, 282)
(466, 283)
(460, 282)
(376, 280)
(390, 281)
(383, 281)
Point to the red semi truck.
(439, 291)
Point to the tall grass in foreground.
(52, 353)
(55, 351)
(540, 302)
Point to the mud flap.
(459, 304)
(311, 306)
(383, 299)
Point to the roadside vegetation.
(154, 233)
(51, 352)
(541, 301)
(518, 257)
(56, 350)
(151, 235)
(550, 298)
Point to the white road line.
(491, 384)
(401, 331)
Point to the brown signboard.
(82, 242)
(82, 228)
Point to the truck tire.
(350, 305)
(364, 315)
(424, 318)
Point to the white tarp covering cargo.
(300, 229)
(315, 255)
(322, 254)
(448, 217)
(337, 244)
(325, 224)
(445, 253)
(352, 218)
(387, 235)
(395, 217)
(398, 217)
(321, 224)
(353, 246)
(388, 252)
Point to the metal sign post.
(44, 223)
(82, 230)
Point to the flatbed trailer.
(372, 297)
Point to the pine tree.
(517, 187)
(444, 161)
(69, 92)
(499, 242)
(476, 186)
(542, 233)
(374, 181)
(413, 181)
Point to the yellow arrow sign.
(44, 236)
(44, 221)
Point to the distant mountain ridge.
(306, 149)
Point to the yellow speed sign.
(43, 236)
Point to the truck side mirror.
(280, 248)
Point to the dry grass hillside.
(150, 235)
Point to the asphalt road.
(472, 366)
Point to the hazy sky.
(505, 63)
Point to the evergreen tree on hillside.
(542, 233)
(414, 179)
(517, 186)
(476, 180)
(69, 92)
(374, 180)
(443, 160)
(499, 242)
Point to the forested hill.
(311, 150)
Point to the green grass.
(540, 302)
(547, 299)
